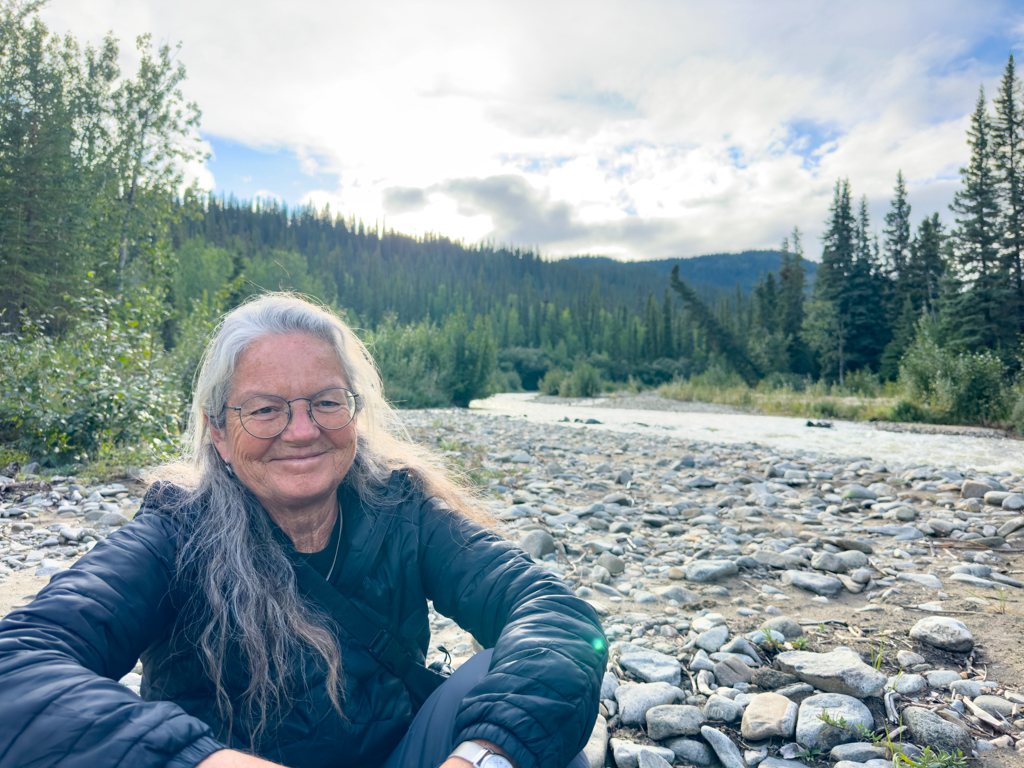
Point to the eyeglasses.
(267, 416)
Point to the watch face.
(495, 761)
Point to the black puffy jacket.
(62, 655)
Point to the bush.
(717, 377)
(907, 411)
(863, 383)
(1017, 416)
(551, 381)
(103, 383)
(584, 381)
(968, 388)
(791, 381)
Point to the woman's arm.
(539, 700)
(62, 655)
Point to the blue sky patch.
(243, 171)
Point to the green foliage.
(1017, 416)
(930, 758)
(584, 381)
(102, 385)
(970, 387)
(551, 382)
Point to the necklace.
(337, 548)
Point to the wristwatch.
(480, 757)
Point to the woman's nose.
(301, 426)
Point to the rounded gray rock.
(728, 753)
(814, 733)
(709, 570)
(784, 624)
(943, 632)
(537, 544)
(692, 752)
(721, 708)
(651, 666)
(669, 720)
(841, 671)
(635, 699)
(930, 729)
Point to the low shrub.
(551, 382)
(584, 381)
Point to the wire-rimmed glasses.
(267, 416)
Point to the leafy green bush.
(862, 383)
(718, 377)
(969, 387)
(907, 411)
(1017, 416)
(584, 381)
(100, 384)
(551, 381)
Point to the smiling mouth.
(299, 458)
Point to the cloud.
(648, 129)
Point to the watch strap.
(472, 752)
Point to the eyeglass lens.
(268, 415)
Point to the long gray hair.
(244, 592)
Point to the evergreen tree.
(897, 232)
(791, 299)
(828, 331)
(1008, 154)
(926, 267)
(975, 310)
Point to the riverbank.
(711, 563)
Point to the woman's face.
(304, 465)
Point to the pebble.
(635, 699)
(769, 715)
(931, 730)
(727, 752)
(943, 632)
(671, 720)
(651, 666)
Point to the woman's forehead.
(292, 362)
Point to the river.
(985, 454)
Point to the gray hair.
(244, 587)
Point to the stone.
(789, 628)
(723, 709)
(713, 639)
(853, 559)
(817, 583)
(627, 753)
(968, 688)
(860, 545)
(995, 705)
(768, 715)
(943, 632)
(929, 729)
(635, 699)
(972, 489)
(693, 752)
(537, 544)
(907, 684)
(1013, 502)
(597, 745)
(608, 685)
(941, 678)
(730, 671)
(113, 519)
(651, 666)
(670, 720)
(814, 733)
(727, 752)
(680, 594)
(909, 658)
(841, 671)
(710, 570)
(924, 579)
(857, 752)
(826, 561)
(769, 679)
(855, 491)
(613, 563)
(651, 759)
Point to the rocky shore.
(762, 607)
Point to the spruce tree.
(1008, 154)
(791, 300)
(926, 266)
(897, 231)
(975, 311)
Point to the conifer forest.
(113, 272)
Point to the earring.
(229, 469)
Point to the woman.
(278, 595)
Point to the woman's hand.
(229, 758)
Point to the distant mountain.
(711, 272)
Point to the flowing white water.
(985, 454)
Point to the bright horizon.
(637, 131)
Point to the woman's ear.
(220, 440)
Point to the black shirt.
(325, 558)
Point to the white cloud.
(644, 129)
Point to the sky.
(645, 129)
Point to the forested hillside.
(113, 272)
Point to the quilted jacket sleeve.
(62, 655)
(539, 700)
